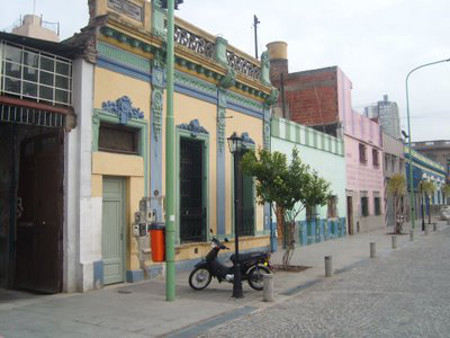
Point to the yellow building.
(219, 90)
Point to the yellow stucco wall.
(111, 164)
(188, 251)
(111, 86)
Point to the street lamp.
(411, 182)
(235, 146)
(421, 199)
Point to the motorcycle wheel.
(255, 276)
(199, 278)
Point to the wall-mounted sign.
(128, 8)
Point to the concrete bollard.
(394, 242)
(411, 235)
(434, 226)
(426, 229)
(373, 250)
(328, 266)
(268, 288)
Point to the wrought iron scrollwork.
(194, 42)
(243, 66)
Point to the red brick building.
(310, 97)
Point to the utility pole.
(255, 26)
(170, 160)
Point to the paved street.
(403, 294)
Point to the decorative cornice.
(216, 76)
(123, 108)
(246, 139)
(193, 127)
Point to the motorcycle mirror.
(210, 231)
(226, 239)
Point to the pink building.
(321, 99)
(364, 155)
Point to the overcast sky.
(376, 43)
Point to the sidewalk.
(140, 310)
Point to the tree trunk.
(395, 215)
(280, 225)
(290, 244)
(429, 209)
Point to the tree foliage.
(445, 188)
(291, 187)
(428, 188)
(397, 188)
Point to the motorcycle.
(253, 266)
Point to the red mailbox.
(157, 241)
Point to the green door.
(113, 224)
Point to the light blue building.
(325, 154)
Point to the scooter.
(253, 266)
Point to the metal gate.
(192, 191)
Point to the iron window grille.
(364, 206)
(32, 74)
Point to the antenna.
(255, 24)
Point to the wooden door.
(113, 230)
(38, 254)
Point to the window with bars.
(375, 158)
(118, 139)
(311, 213)
(377, 206)
(362, 153)
(332, 207)
(364, 206)
(29, 73)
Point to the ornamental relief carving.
(157, 105)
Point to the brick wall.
(311, 96)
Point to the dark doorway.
(38, 254)
(350, 214)
(192, 191)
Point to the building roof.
(56, 48)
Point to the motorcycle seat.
(247, 256)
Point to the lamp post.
(411, 182)
(421, 199)
(235, 146)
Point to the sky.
(376, 43)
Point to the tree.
(397, 188)
(428, 188)
(445, 188)
(291, 187)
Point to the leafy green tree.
(428, 188)
(397, 188)
(445, 188)
(291, 187)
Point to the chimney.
(31, 26)
(278, 60)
